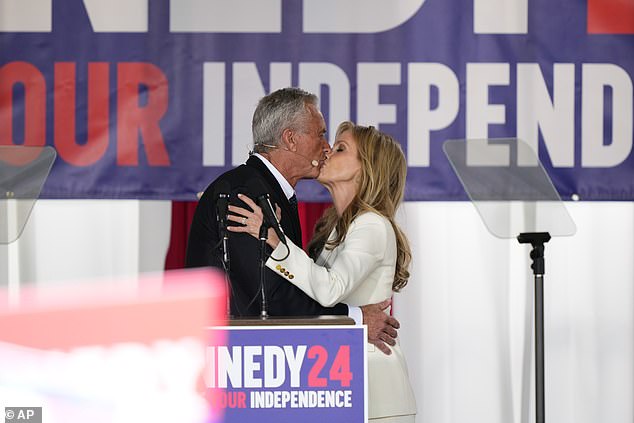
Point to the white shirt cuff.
(356, 314)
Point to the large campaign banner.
(153, 99)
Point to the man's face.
(312, 144)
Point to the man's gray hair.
(282, 109)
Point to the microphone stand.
(226, 264)
(537, 240)
(224, 240)
(264, 233)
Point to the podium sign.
(288, 374)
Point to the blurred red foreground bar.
(172, 305)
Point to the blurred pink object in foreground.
(125, 350)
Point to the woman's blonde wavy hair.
(380, 190)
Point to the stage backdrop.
(153, 99)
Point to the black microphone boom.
(260, 192)
(269, 216)
(221, 195)
(222, 203)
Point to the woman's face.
(342, 164)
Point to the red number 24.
(340, 369)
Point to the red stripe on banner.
(611, 16)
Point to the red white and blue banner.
(308, 374)
(153, 99)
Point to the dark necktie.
(293, 202)
(295, 219)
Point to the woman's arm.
(358, 256)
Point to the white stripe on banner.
(214, 114)
(357, 16)
(370, 111)
(500, 16)
(480, 112)
(247, 91)
(26, 15)
(314, 77)
(226, 16)
(107, 16)
(421, 118)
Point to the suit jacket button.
(291, 276)
(282, 270)
(278, 267)
(286, 273)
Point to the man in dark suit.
(289, 145)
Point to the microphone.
(264, 201)
(313, 162)
(269, 216)
(221, 193)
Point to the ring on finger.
(244, 220)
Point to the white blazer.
(359, 271)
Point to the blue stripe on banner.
(153, 100)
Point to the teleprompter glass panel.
(23, 171)
(509, 187)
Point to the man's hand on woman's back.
(381, 327)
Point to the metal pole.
(537, 240)
(263, 237)
(539, 347)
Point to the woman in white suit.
(360, 254)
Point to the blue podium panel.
(288, 374)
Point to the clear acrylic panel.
(509, 187)
(23, 171)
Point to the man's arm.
(202, 241)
